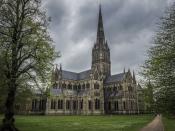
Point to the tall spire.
(101, 51)
(100, 29)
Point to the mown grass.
(82, 123)
(169, 124)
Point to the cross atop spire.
(100, 29)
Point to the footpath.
(155, 125)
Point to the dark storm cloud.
(131, 18)
(129, 28)
(85, 23)
(56, 9)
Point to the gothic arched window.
(75, 87)
(68, 104)
(53, 104)
(130, 88)
(116, 105)
(96, 86)
(96, 76)
(34, 103)
(120, 87)
(79, 87)
(90, 104)
(87, 85)
(83, 87)
(64, 86)
(109, 105)
(69, 86)
(74, 105)
(124, 105)
(81, 104)
(97, 104)
(55, 85)
(60, 104)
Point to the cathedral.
(94, 91)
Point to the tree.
(160, 65)
(148, 97)
(3, 86)
(22, 93)
(26, 49)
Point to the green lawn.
(169, 124)
(82, 123)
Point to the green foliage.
(148, 97)
(169, 124)
(26, 50)
(160, 66)
(24, 39)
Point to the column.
(47, 106)
(64, 105)
(71, 106)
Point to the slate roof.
(68, 75)
(75, 76)
(114, 78)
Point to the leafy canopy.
(160, 65)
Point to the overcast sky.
(129, 28)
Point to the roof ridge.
(77, 72)
(117, 74)
(70, 71)
(84, 71)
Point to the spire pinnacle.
(134, 78)
(56, 65)
(60, 67)
(129, 70)
(100, 29)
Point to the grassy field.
(169, 124)
(82, 123)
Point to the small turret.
(60, 71)
(53, 75)
(60, 67)
(129, 70)
(56, 76)
(56, 73)
(134, 78)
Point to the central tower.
(101, 64)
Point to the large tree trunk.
(8, 121)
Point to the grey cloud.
(57, 10)
(85, 24)
(131, 19)
(129, 28)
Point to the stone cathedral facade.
(93, 91)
